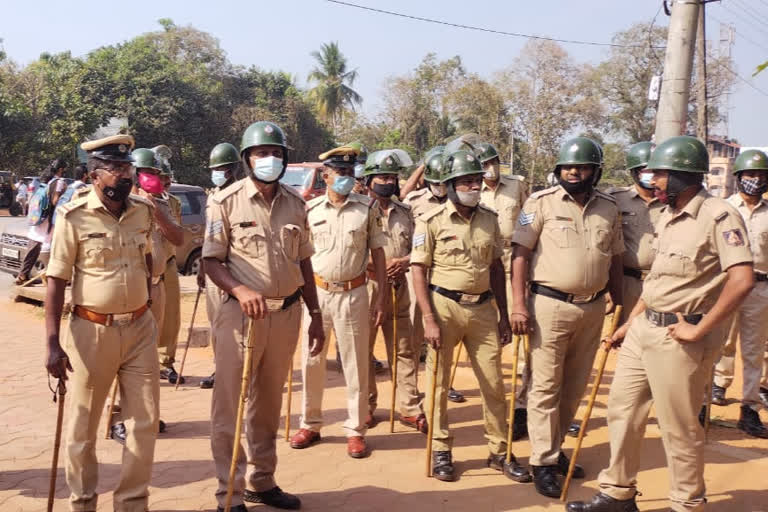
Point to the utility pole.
(702, 117)
(678, 64)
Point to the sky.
(279, 35)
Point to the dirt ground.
(325, 478)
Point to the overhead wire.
(752, 11)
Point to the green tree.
(333, 93)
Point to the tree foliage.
(333, 94)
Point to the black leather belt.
(660, 319)
(552, 293)
(461, 297)
(280, 304)
(635, 272)
(761, 277)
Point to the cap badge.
(122, 148)
(268, 129)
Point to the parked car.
(306, 178)
(13, 240)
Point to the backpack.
(40, 205)
(66, 197)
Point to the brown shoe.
(356, 447)
(304, 438)
(371, 421)
(418, 422)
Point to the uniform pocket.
(290, 239)
(356, 239)
(603, 240)
(321, 237)
(97, 251)
(564, 235)
(450, 249)
(139, 246)
(250, 240)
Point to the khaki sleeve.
(63, 249)
(216, 241)
(423, 244)
(498, 251)
(617, 247)
(731, 241)
(529, 224)
(306, 249)
(376, 236)
(148, 246)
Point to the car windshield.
(295, 176)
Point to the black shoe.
(562, 466)
(602, 503)
(169, 374)
(511, 470)
(207, 383)
(234, 508)
(702, 415)
(117, 432)
(378, 367)
(749, 422)
(573, 430)
(161, 426)
(442, 466)
(718, 395)
(520, 424)
(546, 482)
(275, 497)
(455, 396)
(764, 397)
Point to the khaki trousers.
(213, 299)
(563, 346)
(654, 368)
(169, 334)
(346, 313)
(276, 338)
(750, 325)
(633, 289)
(523, 363)
(407, 354)
(99, 353)
(477, 328)
(157, 294)
(415, 314)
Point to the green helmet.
(223, 154)
(486, 152)
(579, 151)
(145, 158)
(434, 168)
(263, 133)
(681, 153)
(638, 155)
(461, 163)
(382, 162)
(751, 160)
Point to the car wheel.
(193, 263)
(15, 209)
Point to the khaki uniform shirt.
(694, 248)
(572, 246)
(756, 222)
(506, 200)
(638, 219)
(103, 256)
(161, 247)
(343, 236)
(458, 251)
(175, 205)
(261, 244)
(397, 225)
(421, 201)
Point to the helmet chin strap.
(678, 182)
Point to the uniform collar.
(634, 194)
(453, 211)
(251, 190)
(694, 205)
(738, 201)
(499, 183)
(92, 201)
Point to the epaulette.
(142, 200)
(401, 204)
(221, 195)
(720, 208)
(413, 194)
(81, 192)
(545, 192)
(616, 190)
(605, 196)
(72, 205)
(360, 198)
(293, 191)
(511, 177)
(432, 212)
(314, 202)
(488, 209)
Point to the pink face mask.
(151, 183)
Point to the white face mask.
(438, 190)
(267, 169)
(491, 173)
(645, 179)
(470, 199)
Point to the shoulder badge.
(221, 195)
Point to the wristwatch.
(315, 311)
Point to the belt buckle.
(275, 304)
(336, 286)
(122, 319)
(469, 299)
(581, 299)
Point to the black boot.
(764, 397)
(275, 497)
(520, 424)
(546, 481)
(702, 415)
(573, 429)
(442, 466)
(511, 470)
(455, 396)
(117, 432)
(718, 395)
(602, 503)
(749, 422)
(207, 383)
(169, 374)
(562, 466)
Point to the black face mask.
(384, 189)
(576, 188)
(119, 192)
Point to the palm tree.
(333, 92)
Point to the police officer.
(223, 163)
(506, 195)
(750, 323)
(102, 243)
(701, 272)
(381, 174)
(345, 228)
(568, 244)
(257, 251)
(457, 270)
(360, 159)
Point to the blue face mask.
(219, 178)
(343, 185)
(645, 179)
(267, 169)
